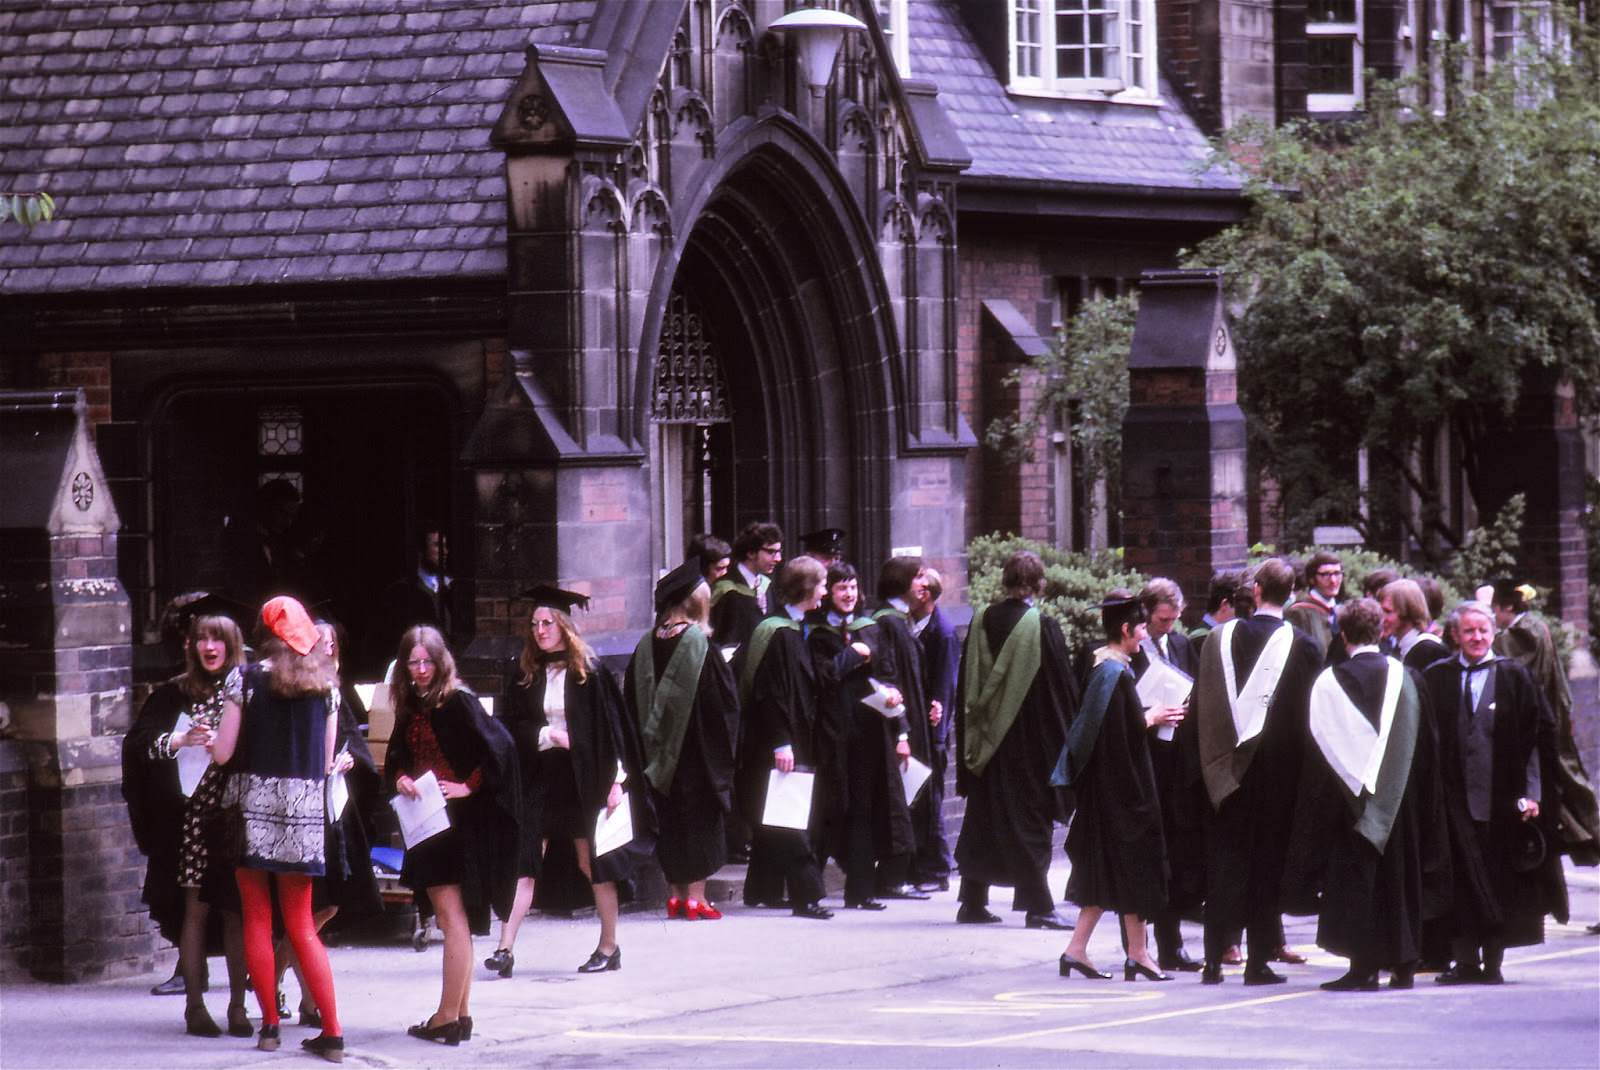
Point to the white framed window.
(1511, 25)
(1334, 55)
(1098, 48)
(894, 20)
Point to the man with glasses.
(1316, 613)
(739, 600)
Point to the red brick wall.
(89, 370)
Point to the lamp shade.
(818, 33)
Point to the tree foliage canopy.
(1407, 272)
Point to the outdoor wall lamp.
(818, 32)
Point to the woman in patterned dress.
(277, 736)
(213, 647)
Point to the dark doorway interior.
(370, 468)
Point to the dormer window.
(894, 19)
(1097, 48)
(1334, 55)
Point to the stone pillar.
(1183, 441)
(65, 672)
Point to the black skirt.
(561, 811)
(440, 859)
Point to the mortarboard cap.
(182, 611)
(676, 585)
(548, 594)
(823, 541)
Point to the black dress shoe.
(812, 910)
(447, 1033)
(1070, 964)
(1468, 974)
(466, 1027)
(197, 1022)
(238, 1021)
(969, 914)
(1211, 974)
(1593, 930)
(1179, 962)
(902, 891)
(864, 904)
(501, 962)
(310, 1017)
(1051, 920)
(267, 1039)
(1132, 971)
(600, 962)
(1403, 977)
(1262, 974)
(1353, 981)
(1491, 977)
(330, 1048)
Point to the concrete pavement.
(901, 988)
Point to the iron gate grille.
(688, 386)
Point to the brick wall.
(14, 899)
(89, 370)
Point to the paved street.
(905, 988)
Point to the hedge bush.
(1074, 583)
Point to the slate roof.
(239, 142)
(1072, 143)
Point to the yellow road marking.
(1557, 955)
(1158, 1017)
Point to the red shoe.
(707, 911)
(691, 909)
(675, 908)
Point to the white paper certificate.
(879, 699)
(338, 795)
(788, 803)
(912, 777)
(615, 829)
(192, 761)
(422, 817)
(1163, 685)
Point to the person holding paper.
(894, 620)
(1249, 709)
(169, 810)
(862, 746)
(681, 694)
(1013, 704)
(1374, 803)
(1119, 856)
(579, 756)
(277, 738)
(469, 867)
(1177, 782)
(778, 694)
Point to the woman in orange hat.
(276, 736)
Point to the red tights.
(294, 897)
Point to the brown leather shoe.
(1231, 957)
(1289, 955)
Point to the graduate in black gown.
(1119, 857)
(778, 697)
(893, 618)
(1013, 704)
(941, 670)
(579, 754)
(1249, 708)
(861, 750)
(1489, 716)
(740, 598)
(171, 828)
(681, 694)
(1177, 777)
(1406, 624)
(1371, 788)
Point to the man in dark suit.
(1249, 709)
(941, 663)
(1177, 782)
(739, 600)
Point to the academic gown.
(856, 745)
(600, 736)
(781, 712)
(1424, 652)
(908, 678)
(488, 820)
(156, 805)
(1316, 621)
(691, 814)
(1118, 852)
(1011, 807)
(734, 616)
(1529, 644)
(1247, 837)
(1372, 906)
(941, 667)
(1178, 785)
(348, 882)
(1492, 901)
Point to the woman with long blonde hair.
(682, 696)
(440, 727)
(578, 756)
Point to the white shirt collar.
(1329, 602)
(795, 612)
(1487, 658)
(432, 580)
(1269, 611)
(1365, 648)
(901, 604)
(835, 619)
(751, 579)
(920, 626)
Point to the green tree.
(1083, 387)
(1405, 274)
